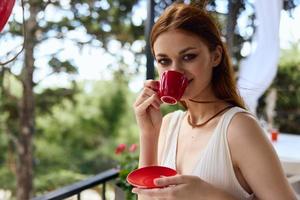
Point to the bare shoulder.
(246, 138)
(253, 154)
(244, 128)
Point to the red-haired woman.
(216, 146)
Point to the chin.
(185, 97)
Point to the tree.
(102, 21)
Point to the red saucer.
(143, 177)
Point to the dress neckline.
(205, 149)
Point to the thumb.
(170, 180)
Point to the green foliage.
(287, 86)
(112, 108)
(128, 161)
(50, 97)
(165, 109)
(6, 180)
(11, 91)
(80, 136)
(62, 66)
(3, 147)
(287, 83)
(52, 179)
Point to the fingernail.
(157, 181)
(157, 106)
(134, 191)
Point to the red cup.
(172, 86)
(6, 7)
(274, 135)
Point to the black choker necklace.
(203, 123)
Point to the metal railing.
(78, 187)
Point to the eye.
(189, 57)
(164, 61)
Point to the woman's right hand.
(147, 108)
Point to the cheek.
(197, 72)
(160, 71)
(202, 76)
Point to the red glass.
(6, 7)
(172, 86)
(274, 135)
(144, 177)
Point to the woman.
(216, 146)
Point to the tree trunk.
(233, 11)
(27, 126)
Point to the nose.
(176, 66)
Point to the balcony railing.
(77, 188)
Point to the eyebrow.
(180, 52)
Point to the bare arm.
(151, 125)
(149, 119)
(257, 160)
(153, 147)
(160, 148)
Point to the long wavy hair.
(197, 21)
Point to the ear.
(217, 56)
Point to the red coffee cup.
(172, 86)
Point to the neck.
(203, 110)
(199, 114)
(203, 106)
(197, 125)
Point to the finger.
(150, 101)
(145, 94)
(170, 180)
(156, 104)
(155, 192)
(152, 84)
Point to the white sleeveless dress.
(214, 162)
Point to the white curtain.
(258, 70)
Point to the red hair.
(192, 19)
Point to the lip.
(189, 81)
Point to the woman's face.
(185, 52)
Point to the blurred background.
(66, 100)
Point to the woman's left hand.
(182, 187)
